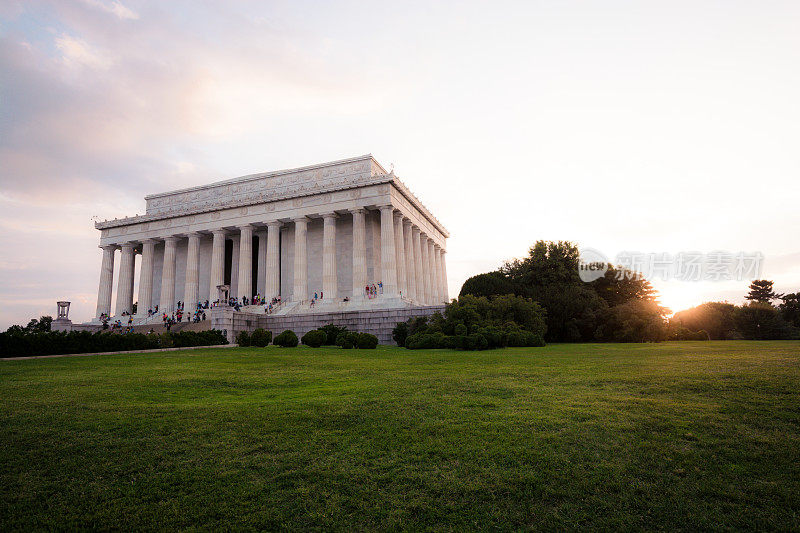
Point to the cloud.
(77, 53)
(114, 8)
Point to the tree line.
(622, 306)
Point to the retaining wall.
(379, 322)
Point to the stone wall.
(377, 322)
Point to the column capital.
(357, 210)
(407, 222)
(329, 214)
(149, 241)
(219, 231)
(436, 246)
(127, 246)
(171, 239)
(274, 223)
(399, 215)
(385, 207)
(111, 247)
(194, 234)
(301, 218)
(246, 227)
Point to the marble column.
(437, 273)
(300, 291)
(258, 283)
(167, 300)
(234, 283)
(329, 282)
(374, 223)
(191, 291)
(146, 278)
(246, 261)
(400, 254)
(408, 248)
(125, 283)
(217, 263)
(445, 291)
(418, 271)
(359, 253)
(434, 292)
(273, 261)
(106, 281)
(388, 254)
(426, 269)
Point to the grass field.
(676, 435)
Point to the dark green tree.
(619, 285)
(39, 326)
(758, 320)
(633, 321)
(549, 276)
(718, 319)
(761, 291)
(488, 284)
(790, 308)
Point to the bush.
(534, 340)
(420, 341)
(332, 333)
(243, 338)
(314, 338)
(471, 323)
(287, 339)
(344, 341)
(261, 337)
(18, 343)
(367, 341)
(400, 333)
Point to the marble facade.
(329, 229)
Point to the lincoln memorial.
(316, 237)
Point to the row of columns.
(411, 264)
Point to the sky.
(657, 127)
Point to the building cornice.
(289, 185)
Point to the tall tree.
(39, 326)
(489, 284)
(718, 319)
(620, 285)
(761, 291)
(790, 308)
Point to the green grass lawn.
(692, 435)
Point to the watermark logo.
(592, 265)
(682, 266)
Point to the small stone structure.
(62, 321)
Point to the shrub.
(314, 338)
(534, 340)
(400, 333)
(243, 338)
(17, 343)
(332, 333)
(261, 337)
(367, 341)
(419, 341)
(344, 341)
(287, 339)
(165, 341)
(460, 329)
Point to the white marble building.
(330, 229)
